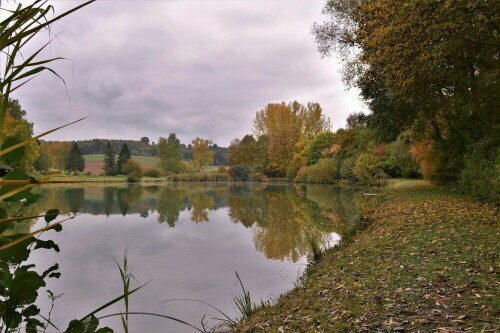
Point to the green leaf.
(16, 174)
(15, 155)
(31, 311)
(57, 227)
(48, 244)
(51, 215)
(104, 330)
(51, 270)
(3, 213)
(32, 198)
(24, 286)
(17, 253)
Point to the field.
(94, 163)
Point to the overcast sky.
(196, 68)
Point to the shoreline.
(426, 261)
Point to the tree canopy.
(170, 153)
(428, 69)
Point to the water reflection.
(188, 238)
(283, 219)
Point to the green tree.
(242, 151)
(170, 153)
(133, 171)
(202, 155)
(75, 161)
(123, 157)
(319, 147)
(109, 160)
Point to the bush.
(481, 174)
(153, 173)
(133, 171)
(222, 169)
(323, 172)
(241, 173)
(259, 177)
(368, 170)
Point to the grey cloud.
(193, 68)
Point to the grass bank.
(428, 262)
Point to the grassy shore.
(427, 262)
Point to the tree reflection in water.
(284, 218)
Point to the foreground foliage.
(428, 261)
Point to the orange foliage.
(380, 150)
(423, 153)
(334, 149)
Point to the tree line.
(295, 141)
(428, 70)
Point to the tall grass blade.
(155, 315)
(14, 147)
(20, 239)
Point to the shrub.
(153, 173)
(259, 177)
(222, 169)
(323, 172)
(133, 171)
(368, 170)
(240, 173)
(481, 174)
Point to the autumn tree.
(75, 161)
(123, 157)
(109, 160)
(202, 155)
(17, 129)
(170, 153)
(285, 125)
(427, 66)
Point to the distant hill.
(144, 148)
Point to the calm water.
(188, 241)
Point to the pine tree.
(109, 160)
(75, 161)
(123, 157)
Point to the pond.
(186, 241)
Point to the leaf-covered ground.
(428, 262)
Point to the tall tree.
(202, 155)
(15, 130)
(170, 153)
(109, 160)
(428, 66)
(243, 151)
(123, 157)
(75, 161)
(285, 125)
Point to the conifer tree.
(75, 161)
(109, 160)
(123, 157)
